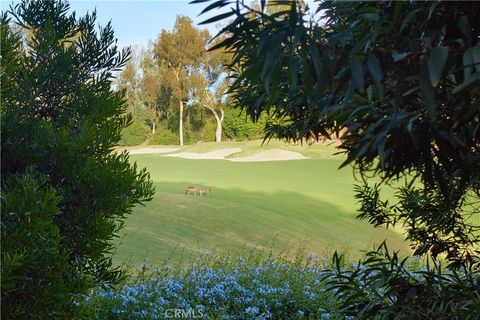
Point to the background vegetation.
(182, 97)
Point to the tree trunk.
(180, 125)
(218, 132)
(219, 121)
(153, 128)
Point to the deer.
(190, 190)
(205, 191)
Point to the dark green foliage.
(239, 127)
(366, 72)
(164, 137)
(404, 79)
(31, 256)
(60, 120)
(384, 286)
(430, 224)
(207, 132)
(134, 134)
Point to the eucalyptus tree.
(129, 81)
(404, 79)
(213, 80)
(179, 54)
(142, 82)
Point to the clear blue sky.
(137, 22)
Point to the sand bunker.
(217, 154)
(272, 155)
(267, 155)
(152, 150)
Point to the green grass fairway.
(253, 204)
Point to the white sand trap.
(272, 155)
(217, 154)
(152, 150)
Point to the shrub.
(164, 137)
(32, 261)
(384, 286)
(134, 134)
(237, 126)
(222, 287)
(66, 194)
(208, 132)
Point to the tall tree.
(65, 194)
(155, 94)
(140, 81)
(404, 79)
(214, 85)
(179, 54)
(129, 81)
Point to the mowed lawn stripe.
(251, 205)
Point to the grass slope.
(252, 205)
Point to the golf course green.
(275, 206)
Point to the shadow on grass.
(182, 227)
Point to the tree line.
(177, 90)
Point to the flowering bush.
(216, 287)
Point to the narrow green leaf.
(436, 64)
(369, 93)
(433, 6)
(377, 74)
(409, 18)
(293, 74)
(218, 18)
(467, 64)
(397, 97)
(397, 56)
(215, 5)
(315, 55)
(375, 68)
(223, 44)
(473, 83)
(410, 91)
(398, 9)
(357, 74)
(464, 26)
(427, 91)
(369, 10)
(267, 65)
(371, 16)
(307, 80)
(413, 132)
(476, 56)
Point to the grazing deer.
(190, 190)
(205, 191)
